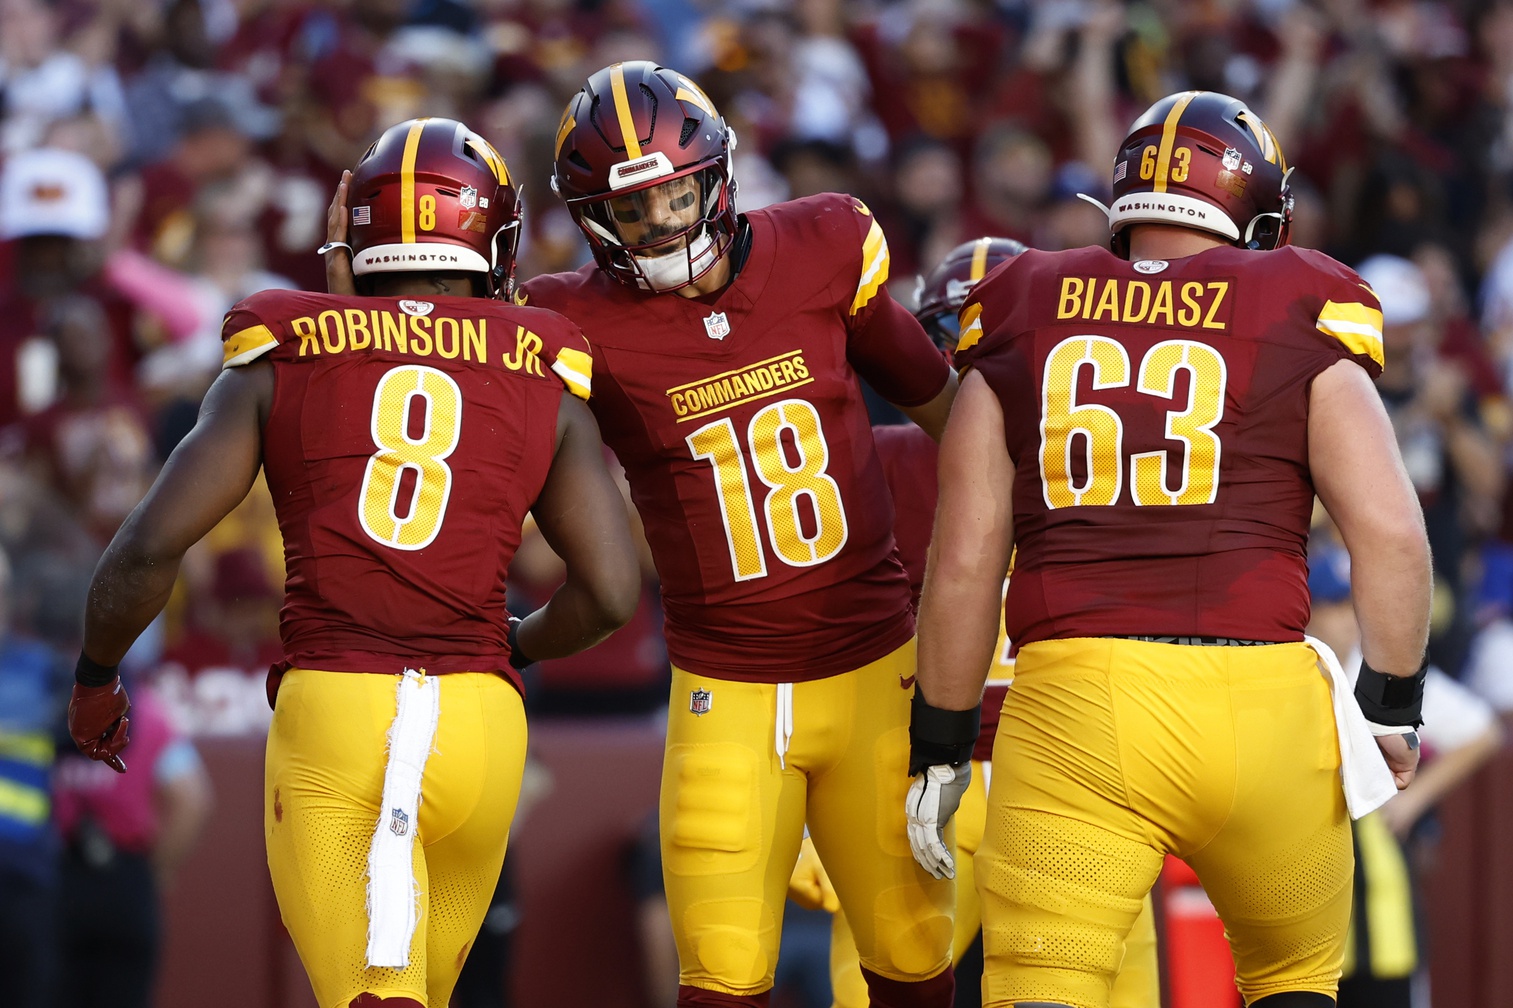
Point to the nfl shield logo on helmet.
(399, 822)
(717, 325)
(699, 701)
(467, 197)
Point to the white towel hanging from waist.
(392, 890)
(1364, 774)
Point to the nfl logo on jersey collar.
(718, 327)
(699, 701)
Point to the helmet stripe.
(563, 129)
(491, 157)
(692, 93)
(979, 259)
(407, 182)
(1168, 137)
(622, 113)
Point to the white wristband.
(1381, 729)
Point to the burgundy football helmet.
(939, 296)
(637, 134)
(432, 195)
(1202, 160)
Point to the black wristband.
(1385, 699)
(941, 736)
(518, 658)
(92, 673)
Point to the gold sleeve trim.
(1356, 325)
(247, 346)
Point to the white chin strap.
(677, 269)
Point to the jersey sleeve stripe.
(576, 369)
(248, 345)
(971, 326)
(1356, 325)
(874, 267)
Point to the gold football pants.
(747, 765)
(1137, 984)
(1112, 753)
(323, 785)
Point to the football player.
(405, 433)
(727, 352)
(1146, 428)
(909, 458)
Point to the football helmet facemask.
(431, 195)
(940, 294)
(643, 163)
(1201, 160)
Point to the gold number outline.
(377, 495)
(1062, 418)
(717, 442)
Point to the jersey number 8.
(424, 454)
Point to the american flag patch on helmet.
(362, 215)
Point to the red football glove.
(97, 721)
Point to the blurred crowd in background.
(162, 159)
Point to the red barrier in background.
(576, 942)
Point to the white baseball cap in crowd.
(1400, 285)
(49, 191)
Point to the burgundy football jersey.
(407, 440)
(741, 426)
(1157, 417)
(909, 458)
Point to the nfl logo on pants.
(699, 701)
(399, 822)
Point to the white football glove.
(930, 804)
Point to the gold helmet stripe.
(689, 91)
(407, 182)
(979, 259)
(491, 157)
(622, 113)
(1168, 138)
(563, 129)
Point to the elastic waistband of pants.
(1193, 641)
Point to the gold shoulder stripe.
(1356, 325)
(971, 326)
(576, 370)
(247, 346)
(874, 267)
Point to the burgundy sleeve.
(892, 352)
